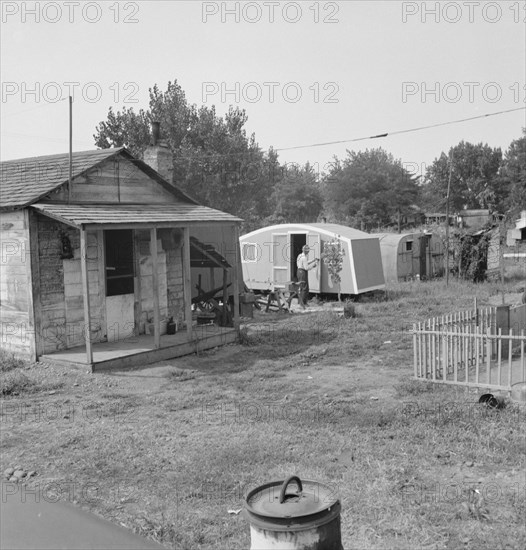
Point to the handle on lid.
(290, 479)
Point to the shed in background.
(407, 256)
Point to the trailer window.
(408, 246)
(249, 253)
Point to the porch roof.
(147, 215)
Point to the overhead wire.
(398, 132)
(216, 156)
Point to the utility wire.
(400, 131)
(33, 108)
(217, 156)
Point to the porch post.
(155, 289)
(187, 274)
(235, 275)
(85, 295)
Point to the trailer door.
(314, 242)
(280, 264)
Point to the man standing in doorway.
(303, 277)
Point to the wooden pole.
(501, 250)
(85, 296)
(447, 215)
(155, 289)
(70, 146)
(137, 300)
(187, 278)
(225, 295)
(235, 275)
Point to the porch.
(136, 351)
(125, 279)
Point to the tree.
(124, 129)
(513, 176)
(214, 160)
(474, 178)
(368, 189)
(297, 197)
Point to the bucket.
(307, 519)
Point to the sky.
(305, 72)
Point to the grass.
(172, 449)
(13, 381)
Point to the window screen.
(119, 262)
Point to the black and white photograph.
(263, 275)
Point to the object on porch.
(171, 327)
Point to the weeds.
(9, 362)
(15, 383)
(181, 375)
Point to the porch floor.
(140, 350)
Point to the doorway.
(120, 288)
(297, 242)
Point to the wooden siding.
(116, 180)
(17, 328)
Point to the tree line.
(220, 165)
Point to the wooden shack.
(90, 269)
(269, 255)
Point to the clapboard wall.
(16, 307)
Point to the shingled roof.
(125, 214)
(27, 180)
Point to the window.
(249, 253)
(119, 262)
(408, 246)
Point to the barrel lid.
(292, 498)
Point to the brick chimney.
(158, 155)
